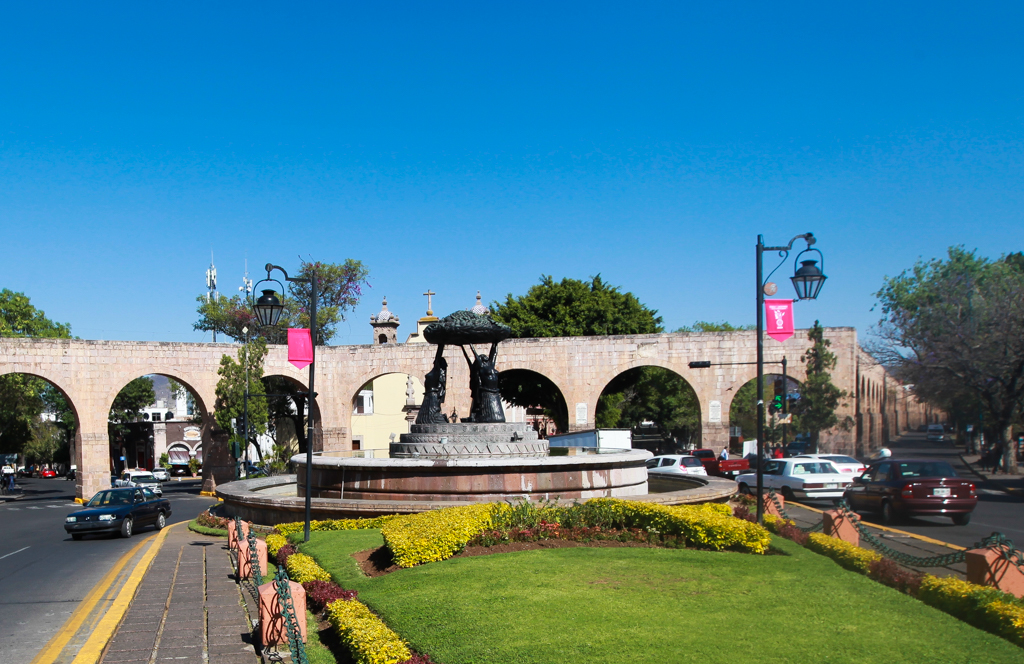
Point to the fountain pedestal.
(499, 440)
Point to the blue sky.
(460, 147)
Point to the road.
(44, 574)
(996, 510)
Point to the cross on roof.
(430, 309)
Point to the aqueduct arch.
(90, 373)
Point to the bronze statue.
(483, 384)
(434, 386)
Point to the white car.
(811, 479)
(844, 464)
(676, 464)
(141, 478)
(161, 474)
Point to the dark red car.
(912, 487)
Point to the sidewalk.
(1013, 484)
(188, 609)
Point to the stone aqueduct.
(91, 373)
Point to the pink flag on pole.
(300, 347)
(779, 315)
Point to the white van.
(936, 433)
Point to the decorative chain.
(254, 559)
(809, 529)
(291, 624)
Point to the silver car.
(142, 478)
(161, 474)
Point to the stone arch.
(75, 440)
(769, 380)
(388, 411)
(513, 375)
(315, 408)
(696, 437)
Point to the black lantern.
(268, 308)
(809, 279)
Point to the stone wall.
(91, 373)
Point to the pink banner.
(779, 315)
(300, 347)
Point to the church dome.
(384, 316)
(479, 309)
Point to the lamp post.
(807, 280)
(268, 309)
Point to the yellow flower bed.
(334, 524)
(847, 555)
(367, 637)
(275, 542)
(775, 523)
(984, 607)
(302, 568)
(435, 535)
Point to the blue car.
(122, 511)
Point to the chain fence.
(996, 541)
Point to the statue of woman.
(483, 383)
(434, 387)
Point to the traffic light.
(777, 403)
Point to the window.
(357, 444)
(691, 462)
(363, 403)
(924, 469)
(880, 473)
(669, 461)
(653, 463)
(839, 458)
(156, 417)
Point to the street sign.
(970, 428)
(783, 419)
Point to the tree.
(230, 404)
(954, 329)
(819, 398)
(573, 308)
(743, 411)
(339, 287)
(129, 402)
(23, 399)
(528, 389)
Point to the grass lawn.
(652, 605)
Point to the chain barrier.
(291, 623)
(254, 559)
(813, 528)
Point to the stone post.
(838, 524)
(769, 504)
(272, 629)
(233, 536)
(245, 558)
(988, 567)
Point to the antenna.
(211, 286)
(246, 286)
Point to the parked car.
(139, 477)
(26, 471)
(936, 433)
(811, 479)
(714, 466)
(161, 474)
(122, 510)
(676, 464)
(906, 487)
(47, 473)
(843, 463)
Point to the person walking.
(724, 456)
(997, 457)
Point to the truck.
(599, 439)
(730, 468)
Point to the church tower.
(385, 326)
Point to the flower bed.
(301, 568)
(435, 535)
(847, 555)
(365, 635)
(333, 524)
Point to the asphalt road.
(44, 574)
(996, 511)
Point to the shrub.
(301, 568)
(847, 555)
(208, 520)
(986, 608)
(886, 571)
(321, 593)
(284, 553)
(365, 635)
(274, 543)
(333, 524)
(790, 531)
(435, 535)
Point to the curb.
(891, 530)
(985, 478)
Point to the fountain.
(439, 463)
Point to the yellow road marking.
(892, 530)
(54, 646)
(93, 648)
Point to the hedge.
(367, 637)
(982, 606)
(847, 555)
(301, 568)
(333, 524)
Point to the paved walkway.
(1010, 483)
(188, 609)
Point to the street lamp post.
(268, 309)
(807, 280)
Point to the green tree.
(129, 402)
(743, 411)
(819, 398)
(954, 329)
(339, 287)
(573, 308)
(23, 399)
(234, 377)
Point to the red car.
(913, 487)
(46, 472)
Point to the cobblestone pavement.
(188, 609)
